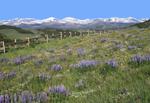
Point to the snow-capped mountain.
(67, 22)
(122, 20)
(77, 21)
(19, 21)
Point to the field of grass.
(13, 34)
(107, 68)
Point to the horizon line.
(71, 17)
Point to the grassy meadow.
(97, 68)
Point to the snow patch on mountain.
(68, 20)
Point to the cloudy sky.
(74, 8)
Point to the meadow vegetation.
(107, 68)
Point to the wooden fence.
(2, 46)
(43, 38)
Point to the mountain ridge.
(145, 24)
(69, 22)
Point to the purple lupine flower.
(140, 59)
(112, 63)
(11, 74)
(35, 97)
(56, 67)
(15, 98)
(22, 59)
(131, 47)
(42, 97)
(18, 61)
(44, 76)
(80, 52)
(147, 58)
(26, 97)
(2, 75)
(119, 46)
(59, 90)
(137, 59)
(2, 99)
(85, 64)
(4, 60)
(7, 98)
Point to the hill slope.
(106, 68)
(12, 32)
(15, 28)
(145, 24)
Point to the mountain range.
(72, 23)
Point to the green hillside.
(16, 28)
(106, 68)
(11, 32)
(145, 24)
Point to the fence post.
(75, 33)
(36, 39)
(70, 34)
(64, 35)
(28, 41)
(100, 33)
(88, 32)
(94, 32)
(4, 49)
(53, 36)
(15, 43)
(47, 38)
(61, 35)
(80, 33)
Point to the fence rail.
(43, 38)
